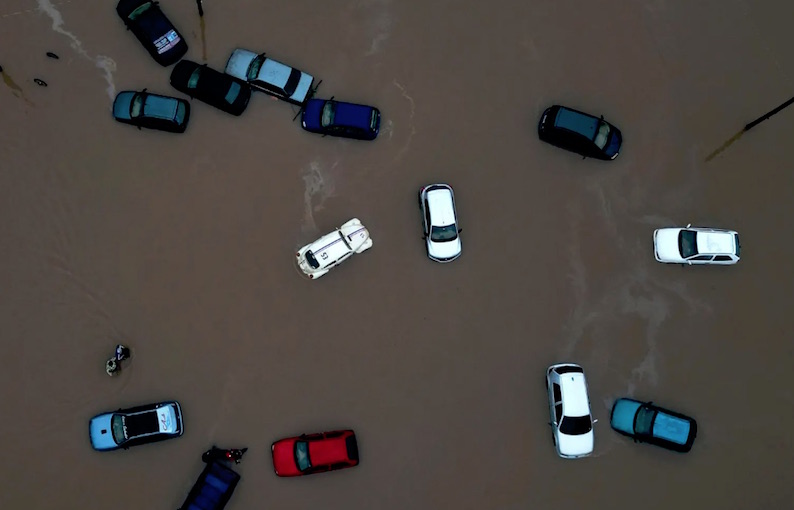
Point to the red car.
(315, 453)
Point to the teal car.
(146, 110)
(649, 423)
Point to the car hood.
(444, 250)
(100, 432)
(121, 106)
(623, 412)
(310, 118)
(575, 446)
(665, 244)
(239, 62)
(284, 457)
(715, 242)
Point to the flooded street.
(182, 247)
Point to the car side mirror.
(139, 128)
(688, 225)
(602, 117)
(689, 262)
(584, 157)
(460, 230)
(595, 421)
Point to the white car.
(696, 245)
(270, 76)
(317, 258)
(569, 405)
(440, 222)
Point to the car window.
(687, 243)
(292, 82)
(557, 393)
(140, 10)
(312, 260)
(722, 258)
(339, 465)
(444, 234)
(576, 425)
(643, 421)
(329, 112)
(602, 135)
(181, 111)
(702, 257)
(302, 455)
(427, 214)
(233, 92)
(256, 65)
(558, 412)
(117, 426)
(136, 109)
(192, 82)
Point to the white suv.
(440, 222)
(696, 245)
(569, 405)
(317, 258)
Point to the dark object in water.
(40, 83)
(53, 55)
(1, 69)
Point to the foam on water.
(319, 187)
(106, 64)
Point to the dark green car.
(153, 111)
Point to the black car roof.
(576, 121)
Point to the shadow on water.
(15, 89)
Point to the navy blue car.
(157, 34)
(337, 118)
(580, 132)
(649, 423)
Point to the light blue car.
(136, 426)
(648, 423)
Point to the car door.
(701, 259)
(555, 399)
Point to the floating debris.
(53, 55)
(40, 83)
(1, 69)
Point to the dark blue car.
(580, 132)
(337, 118)
(649, 423)
(155, 31)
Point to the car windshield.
(181, 112)
(444, 234)
(292, 82)
(256, 65)
(192, 82)
(302, 455)
(312, 260)
(687, 243)
(602, 135)
(233, 92)
(117, 424)
(140, 10)
(576, 425)
(643, 421)
(329, 111)
(136, 108)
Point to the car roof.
(715, 242)
(160, 106)
(333, 245)
(274, 72)
(576, 121)
(328, 451)
(574, 394)
(352, 115)
(442, 207)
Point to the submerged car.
(270, 76)
(315, 453)
(580, 132)
(157, 34)
(440, 222)
(136, 426)
(317, 258)
(696, 245)
(569, 405)
(337, 118)
(146, 110)
(648, 423)
(210, 86)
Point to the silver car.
(270, 76)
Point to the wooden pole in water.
(200, 8)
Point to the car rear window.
(140, 10)
(312, 260)
(192, 82)
(233, 92)
(302, 455)
(687, 243)
(576, 425)
(292, 82)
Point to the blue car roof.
(671, 428)
(160, 107)
(352, 115)
(577, 122)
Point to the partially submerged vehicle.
(270, 76)
(317, 258)
(136, 426)
(213, 489)
(646, 422)
(153, 29)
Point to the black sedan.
(210, 86)
(580, 132)
(153, 111)
(157, 34)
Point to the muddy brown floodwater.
(181, 246)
